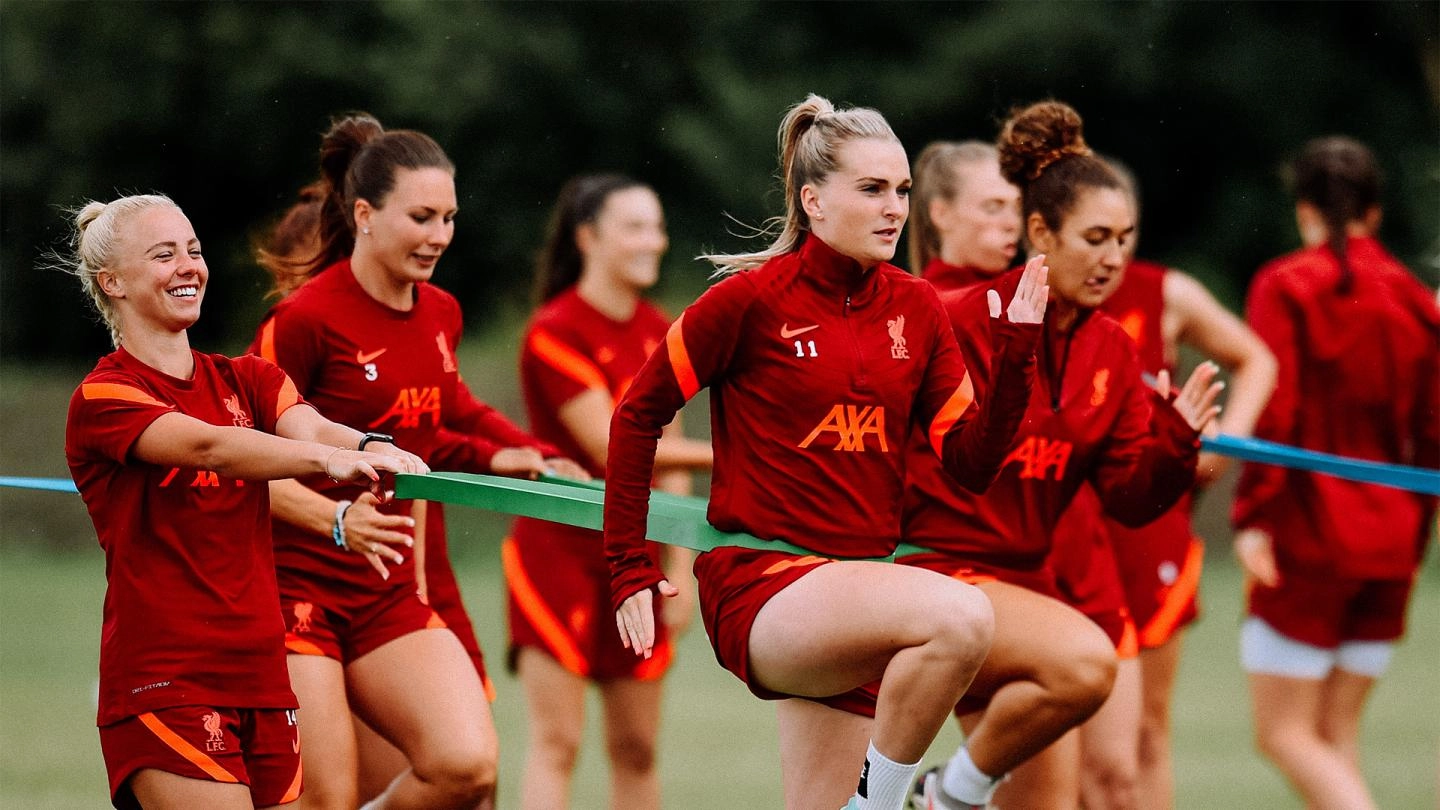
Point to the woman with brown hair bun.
(364, 332)
(821, 356)
(1089, 420)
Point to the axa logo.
(851, 424)
(1041, 458)
(203, 478)
(239, 417)
(410, 405)
(896, 326)
(216, 742)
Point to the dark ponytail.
(358, 161)
(1339, 176)
(558, 263)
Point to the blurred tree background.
(221, 105)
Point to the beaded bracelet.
(338, 530)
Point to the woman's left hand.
(565, 468)
(1196, 401)
(1031, 296)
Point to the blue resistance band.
(1399, 476)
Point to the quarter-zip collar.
(1057, 354)
(952, 277)
(836, 275)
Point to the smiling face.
(1087, 254)
(626, 240)
(411, 227)
(860, 208)
(980, 226)
(157, 275)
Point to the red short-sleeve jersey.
(191, 614)
(375, 368)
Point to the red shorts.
(735, 583)
(444, 593)
(1326, 611)
(558, 600)
(255, 747)
(312, 629)
(1086, 573)
(1160, 565)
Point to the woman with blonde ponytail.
(821, 356)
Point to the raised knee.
(1084, 681)
(467, 777)
(964, 625)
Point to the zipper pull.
(847, 306)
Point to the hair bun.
(88, 214)
(1036, 137)
(347, 136)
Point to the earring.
(365, 231)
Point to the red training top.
(192, 616)
(817, 371)
(1089, 419)
(953, 277)
(374, 368)
(570, 348)
(1359, 377)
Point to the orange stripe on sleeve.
(126, 393)
(289, 396)
(680, 359)
(950, 413)
(550, 629)
(1162, 625)
(185, 749)
(267, 341)
(566, 360)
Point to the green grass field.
(718, 748)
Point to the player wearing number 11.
(809, 448)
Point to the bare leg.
(1049, 669)
(1288, 714)
(162, 790)
(1156, 780)
(327, 734)
(1050, 779)
(422, 693)
(380, 762)
(1110, 745)
(847, 624)
(820, 753)
(555, 710)
(1341, 705)
(632, 728)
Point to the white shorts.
(1264, 651)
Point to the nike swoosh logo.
(362, 358)
(786, 332)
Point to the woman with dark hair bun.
(590, 336)
(1089, 419)
(1332, 562)
(363, 331)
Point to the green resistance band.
(675, 520)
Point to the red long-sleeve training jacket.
(1090, 418)
(817, 370)
(1359, 377)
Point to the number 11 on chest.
(801, 346)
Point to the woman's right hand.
(1256, 551)
(518, 462)
(1031, 296)
(371, 533)
(363, 467)
(636, 618)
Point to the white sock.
(966, 782)
(884, 783)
